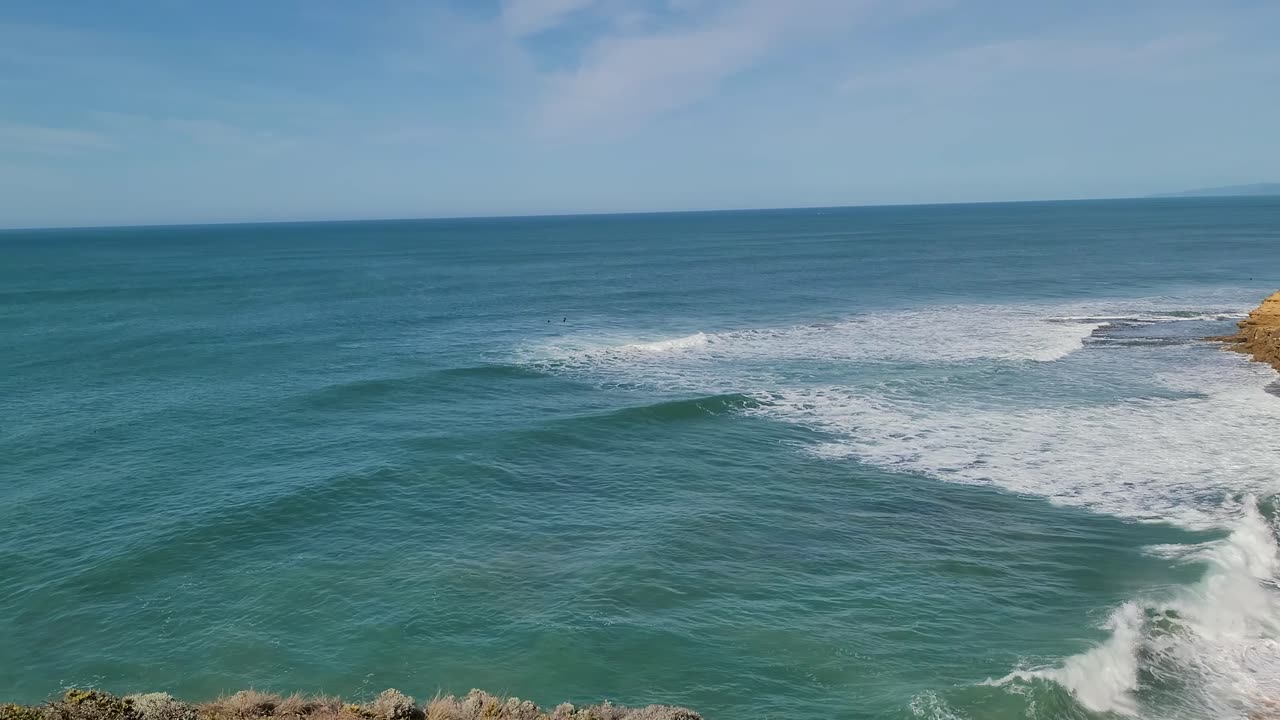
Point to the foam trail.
(1157, 317)
(709, 362)
(1152, 459)
(687, 342)
(929, 705)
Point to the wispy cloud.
(51, 140)
(968, 69)
(625, 79)
(227, 135)
(137, 131)
(527, 17)
(405, 136)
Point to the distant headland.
(1227, 191)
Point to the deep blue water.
(943, 462)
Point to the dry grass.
(480, 705)
(393, 705)
(298, 706)
(389, 705)
(243, 705)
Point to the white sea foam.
(931, 707)
(1218, 640)
(1157, 316)
(1168, 459)
(705, 361)
(1185, 455)
(1177, 459)
(939, 334)
(1149, 458)
(687, 342)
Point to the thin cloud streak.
(625, 80)
(521, 18)
(968, 69)
(51, 140)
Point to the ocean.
(967, 461)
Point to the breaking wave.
(1208, 650)
(1190, 442)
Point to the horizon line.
(603, 213)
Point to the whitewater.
(1116, 407)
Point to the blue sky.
(192, 111)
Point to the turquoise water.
(938, 462)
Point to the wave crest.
(1217, 641)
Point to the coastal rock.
(1259, 334)
(389, 705)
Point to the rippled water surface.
(939, 462)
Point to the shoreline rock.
(1259, 334)
(78, 704)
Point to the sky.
(175, 111)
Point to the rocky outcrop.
(390, 705)
(1259, 334)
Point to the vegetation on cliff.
(389, 705)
